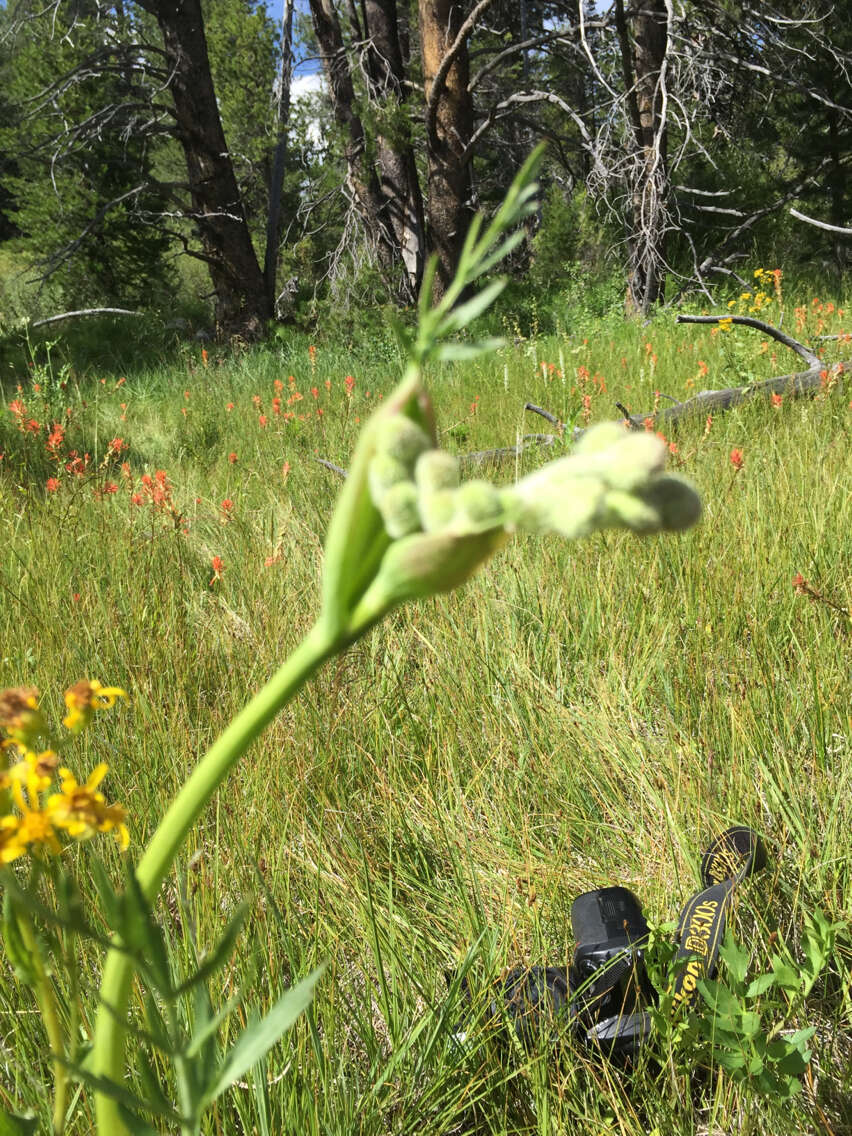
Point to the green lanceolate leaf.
(134, 1124)
(151, 1084)
(220, 954)
(471, 309)
(456, 352)
(122, 1095)
(259, 1037)
(143, 937)
(109, 899)
(203, 1031)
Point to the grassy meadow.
(575, 716)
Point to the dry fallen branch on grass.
(796, 385)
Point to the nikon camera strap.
(730, 859)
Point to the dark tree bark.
(643, 57)
(449, 126)
(243, 303)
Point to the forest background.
(681, 135)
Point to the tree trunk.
(449, 125)
(242, 302)
(276, 177)
(644, 62)
(397, 169)
(362, 182)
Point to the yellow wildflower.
(34, 770)
(726, 324)
(84, 698)
(20, 716)
(81, 810)
(10, 842)
(35, 827)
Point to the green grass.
(575, 716)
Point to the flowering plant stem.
(47, 1004)
(205, 779)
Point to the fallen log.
(796, 385)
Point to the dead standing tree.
(644, 59)
(381, 174)
(382, 178)
(670, 82)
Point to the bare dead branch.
(551, 418)
(52, 263)
(552, 37)
(521, 97)
(633, 425)
(729, 272)
(820, 224)
(85, 312)
(796, 385)
(504, 453)
(749, 321)
(330, 465)
(702, 192)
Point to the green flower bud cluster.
(613, 478)
(417, 488)
(407, 527)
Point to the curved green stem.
(202, 783)
(52, 1025)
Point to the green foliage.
(243, 51)
(82, 197)
(180, 1030)
(571, 241)
(747, 1027)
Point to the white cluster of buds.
(613, 478)
(415, 528)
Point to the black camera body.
(602, 996)
(608, 981)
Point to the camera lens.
(608, 982)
